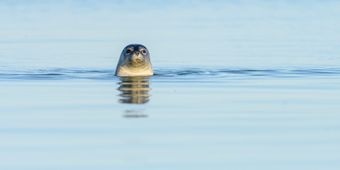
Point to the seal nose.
(136, 57)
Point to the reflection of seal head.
(134, 90)
(134, 61)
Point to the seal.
(134, 61)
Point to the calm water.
(238, 85)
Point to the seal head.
(134, 61)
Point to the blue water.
(237, 85)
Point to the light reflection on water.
(134, 90)
(220, 118)
(161, 73)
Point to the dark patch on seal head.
(134, 61)
(136, 54)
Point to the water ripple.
(192, 73)
(57, 74)
(246, 72)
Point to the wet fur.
(127, 68)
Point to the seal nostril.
(137, 58)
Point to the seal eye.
(143, 51)
(128, 51)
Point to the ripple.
(57, 74)
(246, 72)
(191, 73)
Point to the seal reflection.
(134, 90)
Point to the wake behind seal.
(134, 61)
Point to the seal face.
(134, 61)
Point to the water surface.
(238, 85)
